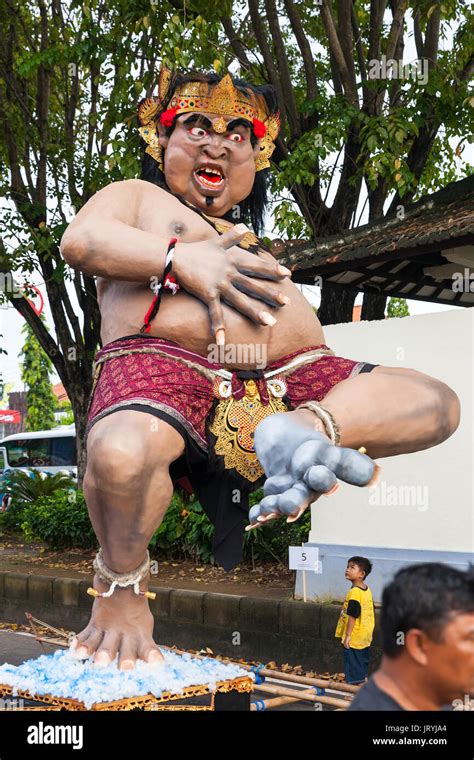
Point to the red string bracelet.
(168, 281)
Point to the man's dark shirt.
(370, 697)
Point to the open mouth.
(209, 178)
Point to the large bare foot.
(302, 464)
(122, 625)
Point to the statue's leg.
(128, 489)
(388, 411)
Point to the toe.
(149, 652)
(79, 638)
(89, 646)
(128, 653)
(108, 649)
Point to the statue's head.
(209, 140)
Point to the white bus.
(48, 451)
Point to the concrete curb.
(238, 626)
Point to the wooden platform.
(233, 694)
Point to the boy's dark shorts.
(356, 664)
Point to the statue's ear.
(162, 136)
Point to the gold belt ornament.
(235, 420)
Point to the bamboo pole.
(271, 703)
(305, 680)
(281, 691)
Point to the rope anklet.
(132, 578)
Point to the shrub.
(11, 519)
(60, 520)
(29, 486)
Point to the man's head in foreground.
(427, 622)
(209, 141)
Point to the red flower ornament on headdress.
(259, 129)
(167, 117)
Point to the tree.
(71, 74)
(68, 418)
(35, 371)
(397, 307)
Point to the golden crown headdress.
(224, 99)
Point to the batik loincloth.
(215, 410)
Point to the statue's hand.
(216, 270)
(301, 465)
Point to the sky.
(11, 322)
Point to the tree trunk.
(337, 304)
(80, 402)
(373, 306)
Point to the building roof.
(60, 392)
(426, 252)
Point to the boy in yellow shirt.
(357, 621)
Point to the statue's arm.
(103, 240)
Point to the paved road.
(15, 648)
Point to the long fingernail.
(283, 299)
(332, 490)
(220, 337)
(261, 518)
(267, 318)
(283, 270)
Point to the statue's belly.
(185, 320)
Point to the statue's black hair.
(252, 208)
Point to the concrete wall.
(250, 628)
(422, 508)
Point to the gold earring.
(155, 149)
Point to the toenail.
(102, 658)
(261, 518)
(127, 665)
(81, 652)
(154, 656)
(73, 643)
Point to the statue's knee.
(448, 408)
(453, 409)
(114, 461)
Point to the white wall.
(437, 513)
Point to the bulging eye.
(235, 137)
(198, 131)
